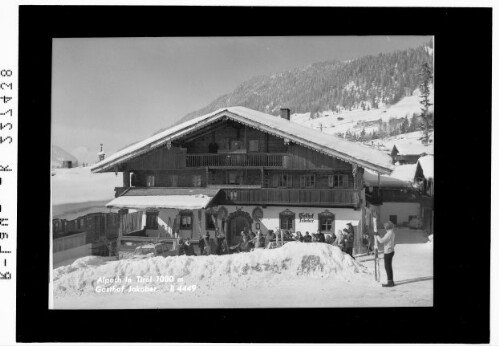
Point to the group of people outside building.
(250, 240)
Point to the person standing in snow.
(330, 239)
(307, 238)
(299, 237)
(348, 239)
(201, 246)
(270, 237)
(320, 237)
(388, 240)
(245, 245)
(209, 245)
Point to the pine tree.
(404, 128)
(414, 123)
(362, 135)
(424, 86)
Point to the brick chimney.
(286, 113)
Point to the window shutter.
(290, 181)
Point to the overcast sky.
(118, 91)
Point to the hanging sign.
(306, 217)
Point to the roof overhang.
(179, 131)
(163, 198)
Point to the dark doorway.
(237, 225)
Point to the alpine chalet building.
(238, 168)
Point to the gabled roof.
(305, 136)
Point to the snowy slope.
(346, 120)
(79, 185)
(407, 143)
(58, 155)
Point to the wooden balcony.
(237, 160)
(302, 197)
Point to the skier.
(389, 242)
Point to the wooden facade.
(233, 157)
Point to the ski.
(377, 275)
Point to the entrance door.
(237, 225)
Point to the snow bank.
(262, 268)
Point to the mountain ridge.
(367, 82)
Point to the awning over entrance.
(164, 198)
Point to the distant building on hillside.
(406, 155)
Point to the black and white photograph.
(242, 172)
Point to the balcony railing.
(236, 160)
(326, 197)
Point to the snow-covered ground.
(296, 275)
(80, 185)
(407, 143)
(343, 121)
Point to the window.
(152, 220)
(236, 145)
(232, 195)
(133, 179)
(282, 180)
(196, 180)
(326, 221)
(286, 220)
(254, 145)
(150, 181)
(210, 221)
(338, 180)
(174, 180)
(307, 180)
(235, 178)
(80, 223)
(186, 221)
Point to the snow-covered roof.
(308, 137)
(405, 172)
(371, 179)
(164, 198)
(426, 163)
(413, 147)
